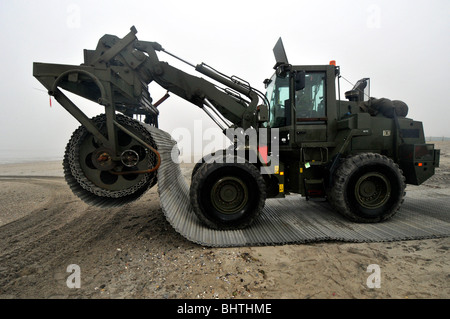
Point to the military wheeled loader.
(298, 137)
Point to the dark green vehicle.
(358, 153)
(300, 137)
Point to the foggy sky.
(403, 46)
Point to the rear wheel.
(368, 188)
(227, 195)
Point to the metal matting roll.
(293, 219)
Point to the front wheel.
(227, 195)
(368, 188)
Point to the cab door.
(310, 109)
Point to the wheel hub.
(102, 159)
(229, 195)
(372, 190)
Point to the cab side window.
(310, 101)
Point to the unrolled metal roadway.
(426, 214)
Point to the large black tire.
(208, 158)
(196, 168)
(227, 195)
(367, 188)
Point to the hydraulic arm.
(237, 103)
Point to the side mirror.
(263, 113)
(299, 80)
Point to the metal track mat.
(424, 214)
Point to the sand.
(132, 252)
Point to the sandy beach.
(132, 252)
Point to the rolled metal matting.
(424, 214)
